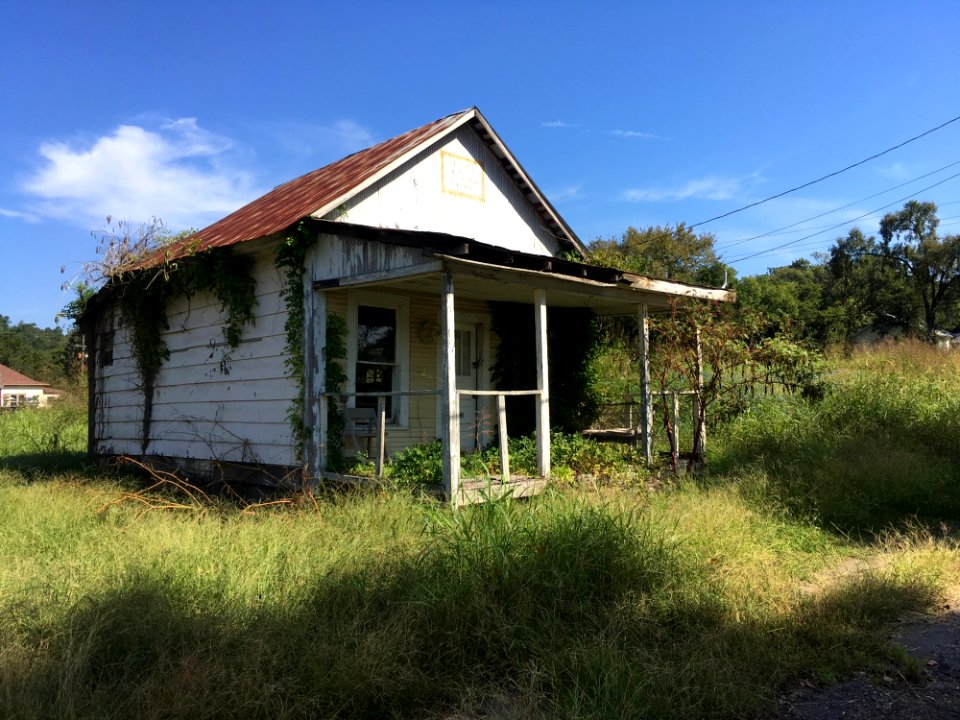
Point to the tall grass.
(879, 449)
(699, 601)
(372, 605)
(48, 438)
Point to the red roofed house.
(411, 239)
(17, 390)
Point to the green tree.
(931, 263)
(791, 300)
(676, 253)
(863, 287)
(36, 352)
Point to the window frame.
(400, 304)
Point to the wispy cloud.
(567, 193)
(324, 142)
(17, 215)
(558, 124)
(178, 172)
(896, 171)
(633, 134)
(708, 188)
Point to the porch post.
(543, 384)
(646, 406)
(700, 417)
(314, 378)
(449, 402)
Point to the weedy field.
(600, 599)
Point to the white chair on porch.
(360, 424)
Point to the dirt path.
(932, 639)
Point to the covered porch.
(457, 275)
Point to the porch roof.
(494, 273)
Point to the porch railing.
(626, 424)
(381, 415)
(379, 456)
(502, 436)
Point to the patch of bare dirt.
(934, 640)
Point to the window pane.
(376, 334)
(464, 352)
(374, 378)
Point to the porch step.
(477, 491)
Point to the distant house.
(410, 240)
(17, 390)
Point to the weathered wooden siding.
(454, 186)
(421, 426)
(210, 402)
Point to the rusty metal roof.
(323, 190)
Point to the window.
(464, 353)
(376, 354)
(378, 350)
(105, 348)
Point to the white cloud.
(557, 124)
(320, 142)
(633, 134)
(567, 193)
(17, 215)
(177, 172)
(708, 188)
(896, 171)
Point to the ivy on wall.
(290, 259)
(143, 296)
(335, 377)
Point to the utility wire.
(840, 225)
(827, 176)
(837, 209)
(951, 220)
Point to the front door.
(474, 426)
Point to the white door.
(474, 426)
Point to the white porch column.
(314, 378)
(449, 402)
(646, 406)
(543, 384)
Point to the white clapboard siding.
(454, 186)
(210, 402)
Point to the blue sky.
(624, 113)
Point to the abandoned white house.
(407, 243)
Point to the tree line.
(45, 354)
(904, 279)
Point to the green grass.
(595, 600)
(878, 450)
(40, 439)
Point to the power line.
(840, 225)
(951, 220)
(828, 175)
(837, 209)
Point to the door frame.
(472, 319)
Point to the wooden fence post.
(646, 406)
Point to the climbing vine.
(290, 259)
(142, 297)
(334, 379)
